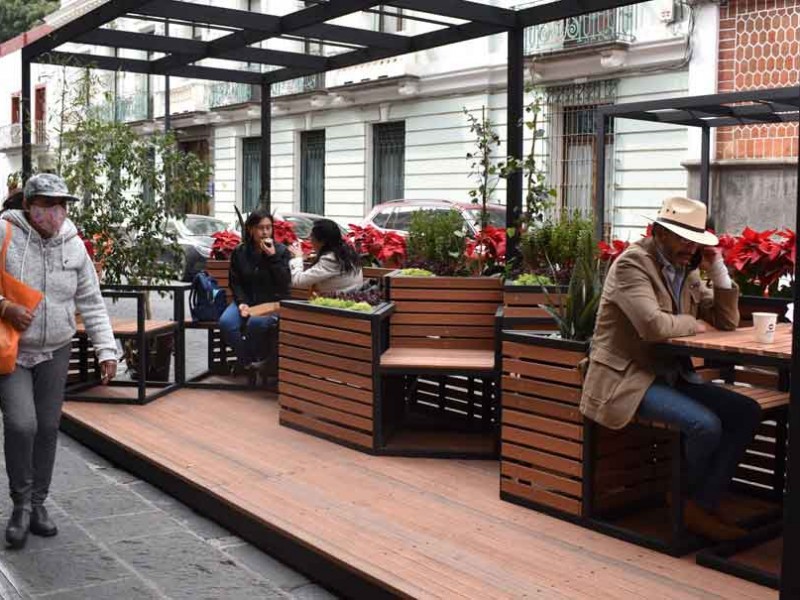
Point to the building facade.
(395, 128)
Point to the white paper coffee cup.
(764, 324)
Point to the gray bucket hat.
(48, 185)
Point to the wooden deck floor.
(422, 528)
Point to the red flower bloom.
(489, 243)
(387, 248)
(225, 243)
(283, 232)
(610, 252)
(760, 258)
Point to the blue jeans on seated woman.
(717, 424)
(255, 345)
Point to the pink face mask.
(48, 219)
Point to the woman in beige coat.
(336, 267)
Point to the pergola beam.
(94, 19)
(94, 61)
(287, 24)
(457, 33)
(171, 45)
(462, 9)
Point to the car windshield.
(497, 218)
(302, 225)
(202, 225)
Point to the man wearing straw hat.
(654, 292)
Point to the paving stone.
(311, 592)
(130, 526)
(71, 472)
(63, 568)
(69, 534)
(205, 528)
(101, 502)
(151, 493)
(129, 588)
(183, 566)
(274, 570)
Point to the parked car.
(395, 215)
(194, 233)
(302, 221)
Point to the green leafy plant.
(530, 279)
(436, 241)
(576, 311)
(539, 196)
(416, 273)
(550, 247)
(485, 169)
(341, 304)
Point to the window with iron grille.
(251, 174)
(312, 172)
(388, 160)
(569, 122)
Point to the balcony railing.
(603, 27)
(301, 85)
(230, 94)
(11, 135)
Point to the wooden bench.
(645, 460)
(438, 375)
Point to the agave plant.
(576, 311)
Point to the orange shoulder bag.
(17, 292)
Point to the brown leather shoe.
(708, 525)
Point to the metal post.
(167, 108)
(790, 574)
(705, 162)
(601, 126)
(25, 114)
(515, 102)
(266, 145)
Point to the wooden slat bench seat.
(768, 399)
(436, 360)
(126, 328)
(438, 373)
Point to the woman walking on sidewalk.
(44, 253)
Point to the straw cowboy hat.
(686, 218)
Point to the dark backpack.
(207, 300)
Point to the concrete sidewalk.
(120, 537)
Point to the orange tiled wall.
(759, 48)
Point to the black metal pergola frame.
(244, 28)
(781, 105)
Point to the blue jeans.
(717, 424)
(255, 344)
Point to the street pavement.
(122, 538)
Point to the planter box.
(328, 364)
(522, 310)
(542, 452)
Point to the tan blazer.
(636, 310)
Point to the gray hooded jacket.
(61, 269)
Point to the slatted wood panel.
(522, 307)
(419, 528)
(326, 366)
(542, 449)
(444, 312)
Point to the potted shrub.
(542, 428)
(330, 349)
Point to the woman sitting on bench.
(259, 273)
(336, 267)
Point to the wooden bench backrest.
(444, 312)
(522, 310)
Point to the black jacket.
(257, 278)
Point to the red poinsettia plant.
(487, 248)
(759, 259)
(283, 232)
(609, 252)
(386, 248)
(225, 243)
(88, 244)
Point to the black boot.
(41, 523)
(17, 528)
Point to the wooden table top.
(740, 343)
